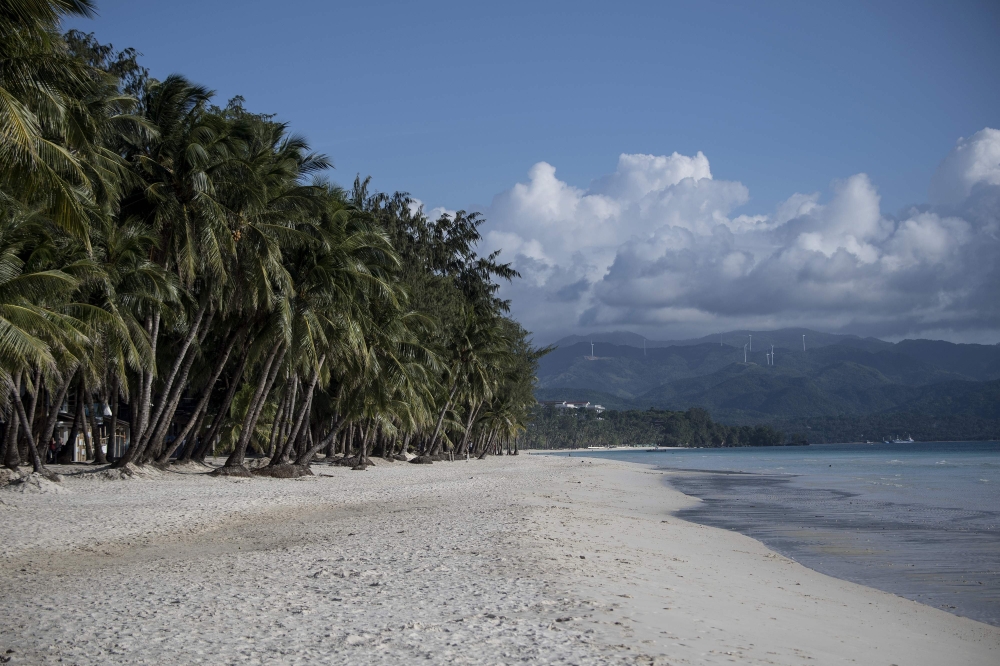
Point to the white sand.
(475, 562)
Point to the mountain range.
(832, 376)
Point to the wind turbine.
(768, 357)
(744, 353)
(772, 354)
(751, 343)
(803, 342)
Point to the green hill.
(838, 377)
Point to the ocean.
(921, 520)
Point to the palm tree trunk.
(88, 441)
(50, 425)
(190, 439)
(113, 404)
(235, 460)
(220, 416)
(489, 444)
(276, 427)
(431, 448)
(11, 456)
(307, 456)
(159, 432)
(36, 461)
(306, 406)
(473, 412)
(286, 423)
(281, 448)
(349, 439)
(363, 452)
(293, 445)
(330, 442)
(167, 419)
(152, 427)
(95, 437)
(203, 402)
(37, 384)
(67, 450)
(146, 394)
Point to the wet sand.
(948, 558)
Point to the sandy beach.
(527, 559)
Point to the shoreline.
(538, 558)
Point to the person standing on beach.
(52, 450)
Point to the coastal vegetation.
(183, 273)
(553, 428)
(840, 389)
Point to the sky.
(672, 169)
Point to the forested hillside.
(859, 384)
(851, 377)
(561, 429)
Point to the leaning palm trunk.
(150, 426)
(363, 453)
(95, 437)
(473, 412)
(303, 411)
(11, 456)
(88, 441)
(36, 462)
(234, 464)
(166, 419)
(146, 393)
(202, 403)
(306, 457)
(113, 399)
(37, 384)
(488, 443)
(288, 407)
(432, 446)
(199, 454)
(276, 428)
(50, 424)
(66, 452)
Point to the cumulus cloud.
(659, 246)
(973, 162)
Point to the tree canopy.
(188, 269)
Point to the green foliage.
(839, 378)
(553, 428)
(191, 261)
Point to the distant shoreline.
(652, 449)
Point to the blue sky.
(805, 132)
(455, 101)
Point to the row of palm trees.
(187, 267)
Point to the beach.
(526, 559)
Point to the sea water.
(921, 520)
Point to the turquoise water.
(921, 520)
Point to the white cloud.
(972, 162)
(656, 246)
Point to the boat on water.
(898, 440)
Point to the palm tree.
(38, 81)
(154, 247)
